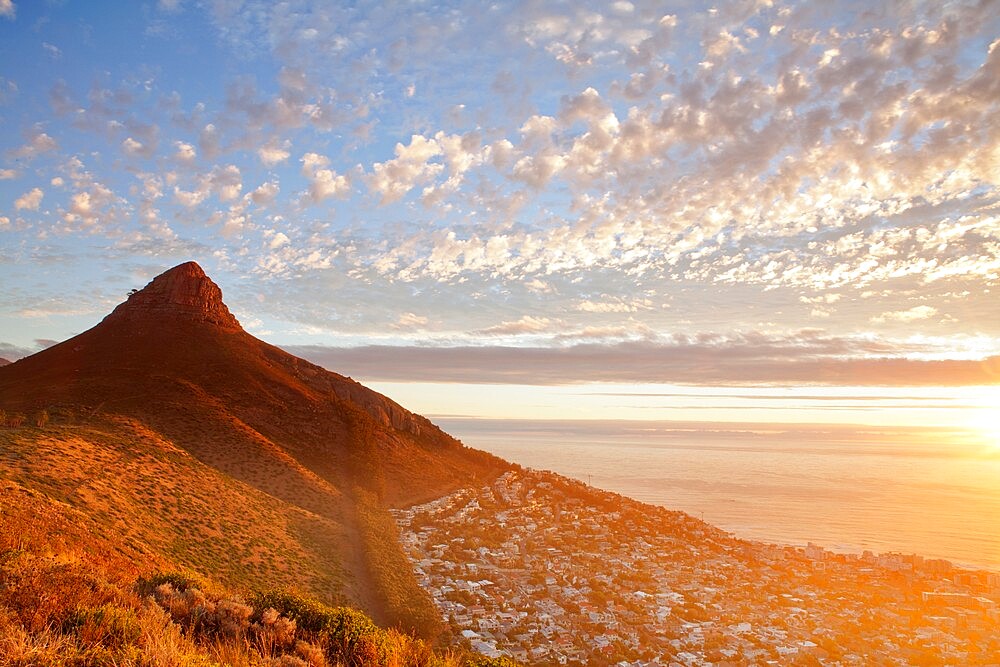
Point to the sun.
(985, 416)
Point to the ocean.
(933, 492)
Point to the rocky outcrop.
(186, 293)
(182, 293)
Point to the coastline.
(847, 497)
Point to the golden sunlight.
(985, 416)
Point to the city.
(547, 570)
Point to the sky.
(597, 209)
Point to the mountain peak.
(181, 293)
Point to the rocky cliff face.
(183, 292)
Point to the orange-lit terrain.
(166, 462)
(173, 439)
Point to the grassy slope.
(73, 595)
(129, 482)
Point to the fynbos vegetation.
(53, 612)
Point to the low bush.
(108, 625)
(53, 613)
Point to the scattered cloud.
(392, 179)
(614, 305)
(273, 152)
(621, 175)
(38, 142)
(278, 240)
(410, 322)
(30, 200)
(910, 315)
(185, 152)
(526, 325)
(265, 193)
(323, 182)
(53, 51)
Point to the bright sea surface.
(934, 492)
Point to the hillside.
(75, 596)
(202, 447)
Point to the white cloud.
(526, 325)
(538, 170)
(132, 147)
(323, 182)
(910, 315)
(278, 240)
(38, 142)
(265, 193)
(189, 199)
(210, 141)
(185, 152)
(29, 200)
(614, 305)
(226, 182)
(88, 204)
(723, 44)
(391, 180)
(410, 322)
(273, 153)
(8, 9)
(7, 174)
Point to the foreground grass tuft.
(54, 613)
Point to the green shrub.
(108, 625)
(346, 635)
(208, 615)
(179, 581)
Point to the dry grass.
(88, 515)
(125, 480)
(53, 613)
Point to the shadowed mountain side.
(3, 362)
(172, 360)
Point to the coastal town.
(549, 571)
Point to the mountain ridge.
(171, 371)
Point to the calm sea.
(935, 492)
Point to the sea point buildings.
(549, 571)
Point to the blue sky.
(791, 192)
